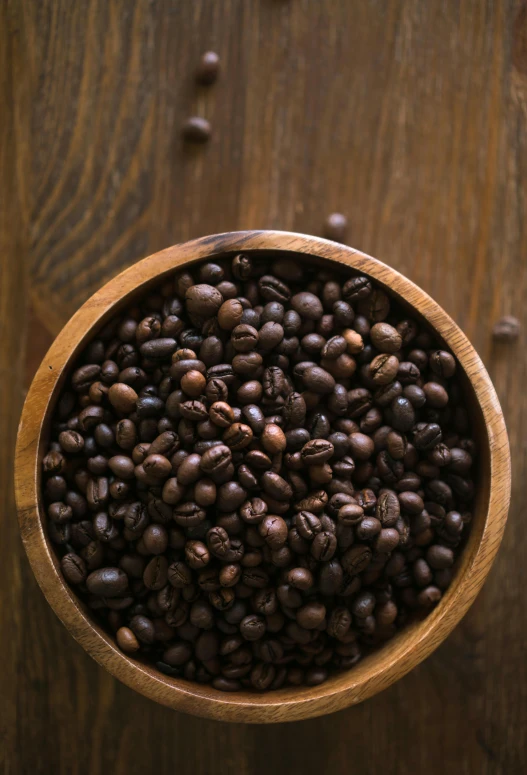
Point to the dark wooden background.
(410, 116)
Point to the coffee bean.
(107, 582)
(74, 568)
(387, 508)
(383, 369)
(237, 436)
(122, 397)
(335, 227)
(208, 68)
(311, 615)
(196, 130)
(273, 530)
(318, 380)
(356, 559)
(402, 414)
(506, 329)
(252, 627)
(308, 306)
(324, 546)
(442, 363)
(300, 578)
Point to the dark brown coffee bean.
(361, 446)
(122, 397)
(273, 530)
(387, 509)
(368, 528)
(385, 338)
(403, 414)
(216, 460)
(335, 227)
(318, 380)
(429, 596)
(208, 70)
(324, 546)
(356, 559)
(276, 486)
(71, 442)
(300, 578)
(155, 539)
(350, 514)
(427, 435)
(252, 627)
(107, 582)
(273, 289)
(196, 130)
(237, 436)
(311, 615)
(196, 554)
(155, 573)
(384, 369)
(74, 568)
(506, 329)
(273, 439)
(357, 288)
(387, 540)
(439, 557)
(442, 363)
(307, 524)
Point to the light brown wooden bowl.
(373, 673)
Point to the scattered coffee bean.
(260, 473)
(196, 130)
(506, 329)
(336, 227)
(208, 68)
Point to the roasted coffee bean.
(335, 227)
(74, 568)
(387, 508)
(506, 329)
(155, 573)
(208, 68)
(427, 435)
(252, 627)
(324, 546)
(196, 130)
(356, 559)
(237, 436)
(402, 414)
(273, 530)
(442, 363)
(350, 514)
(307, 524)
(107, 582)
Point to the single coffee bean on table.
(260, 472)
(506, 329)
(208, 68)
(196, 130)
(336, 227)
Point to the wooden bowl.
(376, 671)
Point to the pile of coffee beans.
(259, 472)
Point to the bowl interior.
(373, 672)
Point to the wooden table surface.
(410, 116)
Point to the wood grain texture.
(411, 118)
(379, 670)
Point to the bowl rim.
(374, 673)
